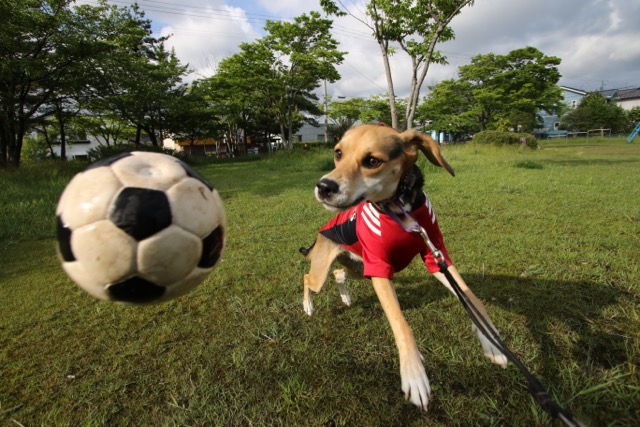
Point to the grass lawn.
(548, 239)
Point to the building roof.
(624, 94)
(574, 90)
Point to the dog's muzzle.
(327, 188)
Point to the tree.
(343, 115)
(633, 118)
(245, 92)
(193, 116)
(510, 90)
(415, 26)
(595, 112)
(272, 79)
(450, 108)
(34, 56)
(106, 127)
(305, 54)
(139, 78)
(58, 60)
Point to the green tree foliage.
(194, 116)
(413, 26)
(35, 54)
(633, 118)
(450, 108)
(245, 92)
(138, 78)
(269, 84)
(506, 91)
(305, 54)
(344, 114)
(595, 112)
(58, 60)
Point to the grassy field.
(548, 239)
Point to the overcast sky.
(597, 40)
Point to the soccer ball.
(139, 228)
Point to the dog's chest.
(371, 234)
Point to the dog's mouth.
(337, 207)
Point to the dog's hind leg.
(321, 255)
(341, 276)
(353, 269)
(490, 351)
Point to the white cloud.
(597, 40)
(205, 38)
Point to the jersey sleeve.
(376, 266)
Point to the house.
(626, 98)
(77, 149)
(199, 147)
(551, 122)
(310, 133)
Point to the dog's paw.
(415, 383)
(308, 306)
(490, 351)
(496, 356)
(346, 299)
(344, 295)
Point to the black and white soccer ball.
(139, 228)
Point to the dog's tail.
(305, 251)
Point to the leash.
(535, 387)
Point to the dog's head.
(370, 161)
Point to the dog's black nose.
(327, 188)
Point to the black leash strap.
(535, 387)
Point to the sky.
(598, 41)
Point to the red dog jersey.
(384, 246)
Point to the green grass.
(548, 239)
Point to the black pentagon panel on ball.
(212, 248)
(64, 240)
(108, 161)
(135, 290)
(141, 212)
(195, 175)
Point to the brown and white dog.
(375, 171)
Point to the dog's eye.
(371, 162)
(338, 155)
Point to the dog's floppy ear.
(415, 140)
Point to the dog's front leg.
(490, 351)
(415, 383)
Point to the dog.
(376, 188)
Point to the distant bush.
(313, 145)
(491, 137)
(103, 151)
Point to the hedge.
(492, 137)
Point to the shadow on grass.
(567, 319)
(543, 303)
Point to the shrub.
(313, 145)
(103, 151)
(491, 137)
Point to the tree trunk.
(63, 141)
(390, 90)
